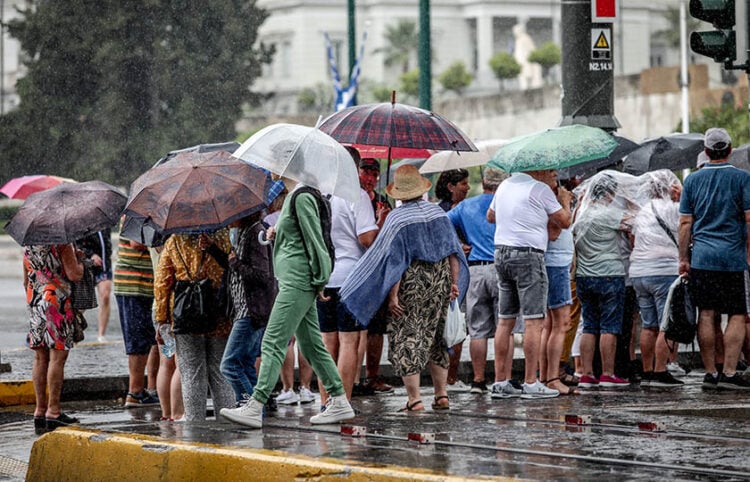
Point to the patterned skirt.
(417, 337)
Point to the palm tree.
(402, 41)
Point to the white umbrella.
(306, 155)
(447, 160)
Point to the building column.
(485, 49)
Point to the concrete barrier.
(16, 393)
(70, 454)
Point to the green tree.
(732, 118)
(456, 78)
(505, 67)
(547, 56)
(113, 85)
(402, 42)
(318, 98)
(410, 83)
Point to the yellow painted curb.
(16, 393)
(69, 454)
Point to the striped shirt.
(134, 274)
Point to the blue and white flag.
(344, 97)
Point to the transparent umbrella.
(306, 155)
(447, 160)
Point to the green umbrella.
(554, 148)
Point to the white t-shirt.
(347, 222)
(654, 253)
(522, 208)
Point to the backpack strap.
(293, 210)
(187, 270)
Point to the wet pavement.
(702, 435)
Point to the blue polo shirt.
(717, 196)
(470, 217)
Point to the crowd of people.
(554, 260)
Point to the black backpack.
(324, 210)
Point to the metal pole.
(425, 61)
(684, 68)
(2, 57)
(352, 30)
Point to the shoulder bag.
(83, 291)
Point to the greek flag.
(344, 97)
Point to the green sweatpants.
(294, 313)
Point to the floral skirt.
(416, 338)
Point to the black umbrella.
(613, 161)
(673, 152)
(740, 157)
(66, 213)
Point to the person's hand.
(466, 248)
(204, 242)
(97, 260)
(271, 233)
(675, 190)
(564, 196)
(79, 253)
(232, 255)
(397, 311)
(684, 268)
(454, 291)
(382, 212)
(322, 296)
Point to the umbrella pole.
(388, 168)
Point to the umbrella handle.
(262, 238)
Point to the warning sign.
(601, 44)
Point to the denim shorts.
(602, 303)
(104, 275)
(333, 316)
(522, 282)
(558, 293)
(652, 294)
(135, 320)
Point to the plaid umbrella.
(392, 125)
(66, 213)
(197, 191)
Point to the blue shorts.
(104, 275)
(135, 320)
(333, 316)
(652, 292)
(602, 303)
(558, 293)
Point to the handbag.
(455, 325)
(194, 304)
(679, 319)
(83, 292)
(79, 326)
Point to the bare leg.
(734, 338)
(558, 327)
(411, 382)
(588, 345)
(718, 340)
(136, 376)
(175, 389)
(305, 371)
(455, 359)
(707, 339)
(439, 378)
(478, 352)
(104, 290)
(152, 367)
(39, 377)
(532, 338)
(502, 334)
(608, 347)
(662, 353)
(163, 382)
(546, 327)
(55, 376)
(348, 359)
(648, 346)
(509, 358)
(374, 353)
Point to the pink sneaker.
(587, 382)
(613, 381)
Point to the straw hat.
(408, 183)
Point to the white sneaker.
(305, 395)
(336, 410)
(504, 390)
(676, 370)
(287, 397)
(101, 339)
(538, 390)
(249, 414)
(459, 386)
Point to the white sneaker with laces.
(305, 395)
(336, 410)
(504, 390)
(249, 414)
(287, 397)
(459, 386)
(538, 390)
(676, 370)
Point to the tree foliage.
(410, 83)
(505, 66)
(112, 85)
(547, 55)
(732, 118)
(402, 42)
(456, 78)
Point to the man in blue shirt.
(470, 218)
(715, 217)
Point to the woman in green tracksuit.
(302, 266)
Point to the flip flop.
(440, 406)
(410, 406)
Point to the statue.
(531, 73)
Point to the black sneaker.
(646, 379)
(735, 382)
(478, 388)
(710, 382)
(665, 379)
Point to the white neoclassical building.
(467, 30)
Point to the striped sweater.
(134, 274)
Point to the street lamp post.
(352, 30)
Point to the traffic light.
(719, 44)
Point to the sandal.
(569, 380)
(436, 405)
(568, 390)
(410, 407)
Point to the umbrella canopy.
(416, 162)
(554, 148)
(447, 160)
(22, 187)
(66, 213)
(196, 191)
(624, 147)
(306, 155)
(673, 152)
(381, 152)
(740, 157)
